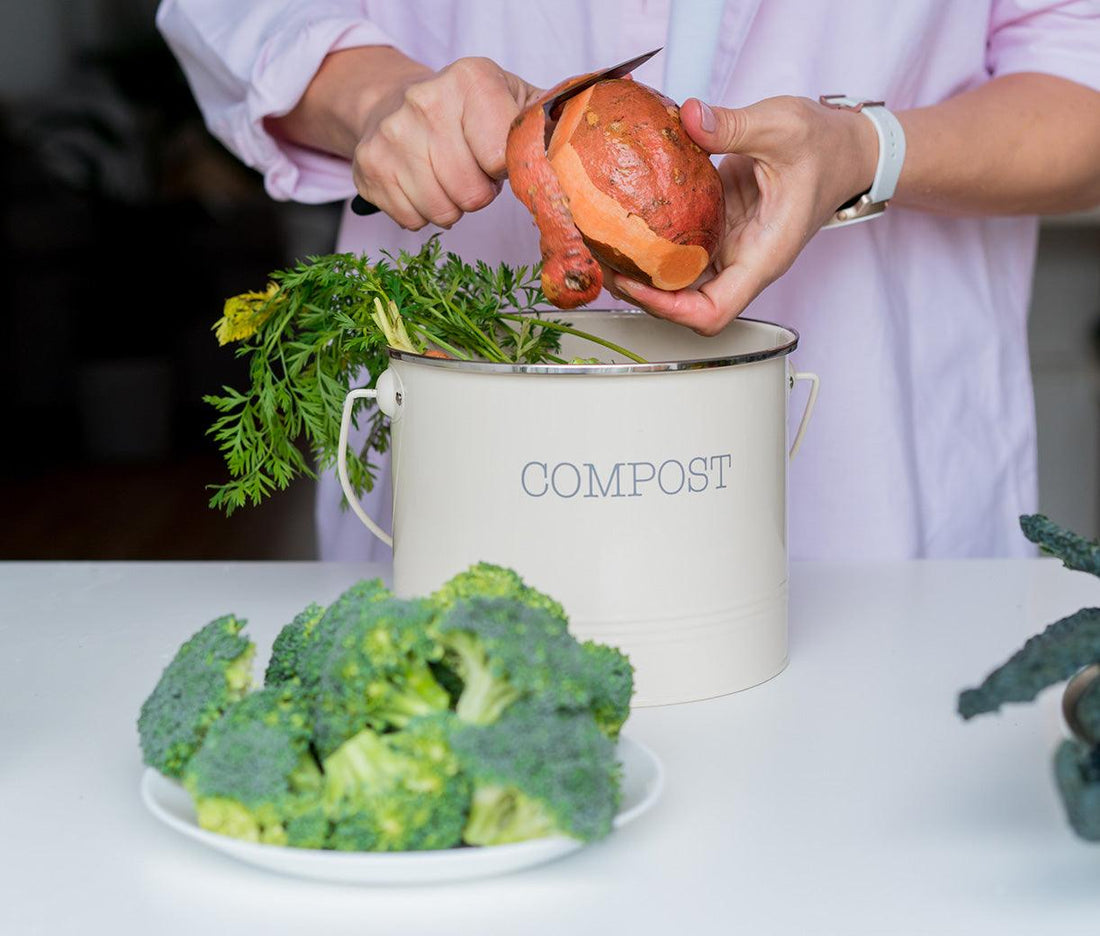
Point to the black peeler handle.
(360, 206)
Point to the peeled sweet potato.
(620, 180)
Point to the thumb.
(722, 129)
(522, 91)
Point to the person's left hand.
(792, 162)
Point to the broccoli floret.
(1077, 772)
(254, 777)
(504, 650)
(1048, 658)
(376, 674)
(401, 791)
(611, 680)
(209, 673)
(282, 668)
(486, 580)
(1075, 551)
(314, 650)
(538, 772)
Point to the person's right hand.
(432, 147)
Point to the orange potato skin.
(570, 274)
(633, 148)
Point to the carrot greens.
(328, 323)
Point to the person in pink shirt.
(923, 443)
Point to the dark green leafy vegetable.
(1075, 551)
(1077, 772)
(1063, 649)
(1048, 658)
(209, 673)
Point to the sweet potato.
(621, 175)
(570, 274)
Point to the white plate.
(643, 778)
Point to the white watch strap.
(891, 156)
(891, 142)
(891, 152)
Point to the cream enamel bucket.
(651, 500)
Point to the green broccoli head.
(610, 677)
(538, 772)
(504, 650)
(209, 673)
(282, 667)
(312, 651)
(377, 672)
(486, 580)
(1077, 772)
(1047, 658)
(254, 777)
(401, 791)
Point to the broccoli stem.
(502, 815)
(420, 695)
(228, 817)
(356, 762)
(484, 696)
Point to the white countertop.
(843, 797)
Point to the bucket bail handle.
(388, 394)
(815, 384)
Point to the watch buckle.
(831, 100)
(859, 210)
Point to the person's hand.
(432, 147)
(792, 163)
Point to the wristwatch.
(891, 155)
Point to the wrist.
(869, 202)
(376, 85)
(352, 89)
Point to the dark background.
(124, 226)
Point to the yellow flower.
(244, 314)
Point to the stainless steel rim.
(605, 370)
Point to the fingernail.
(706, 118)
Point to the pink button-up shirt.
(923, 442)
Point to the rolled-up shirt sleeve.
(249, 61)
(1055, 38)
